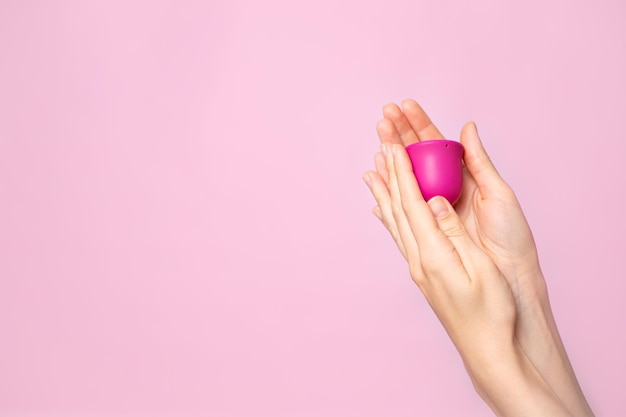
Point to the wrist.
(511, 386)
(537, 332)
(525, 274)
(539, 337)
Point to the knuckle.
(453, 228)
(430, 269)
(430, 264)
(409, 206)
(397, 210)
(417, 274)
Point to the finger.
(381, 167)
(413, 203)
(478, 163)
(378, 213)
(473, 259)
(403, 127)
(381, 194)
(387, 132)
(404, 229)
(437, 253)
(420, 122)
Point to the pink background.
(183, 226)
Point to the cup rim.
(435, 142)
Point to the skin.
(477, 265)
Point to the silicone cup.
(438, 168)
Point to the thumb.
(452, 227)
(478, 163)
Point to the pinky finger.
(378, 213)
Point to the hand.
(488, 207)
(467, 292)
(493, 219)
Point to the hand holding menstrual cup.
(438, 168)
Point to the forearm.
(511, 386)
(540, 340)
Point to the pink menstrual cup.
(438, 168)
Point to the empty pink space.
(183, 226)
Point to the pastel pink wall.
(183, 226)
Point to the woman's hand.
(463, 286)
(488, 207)
(466, 290)
(492, 219)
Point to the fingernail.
(383, 148)
(438, 207)
(367, 179)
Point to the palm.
(498, 225)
